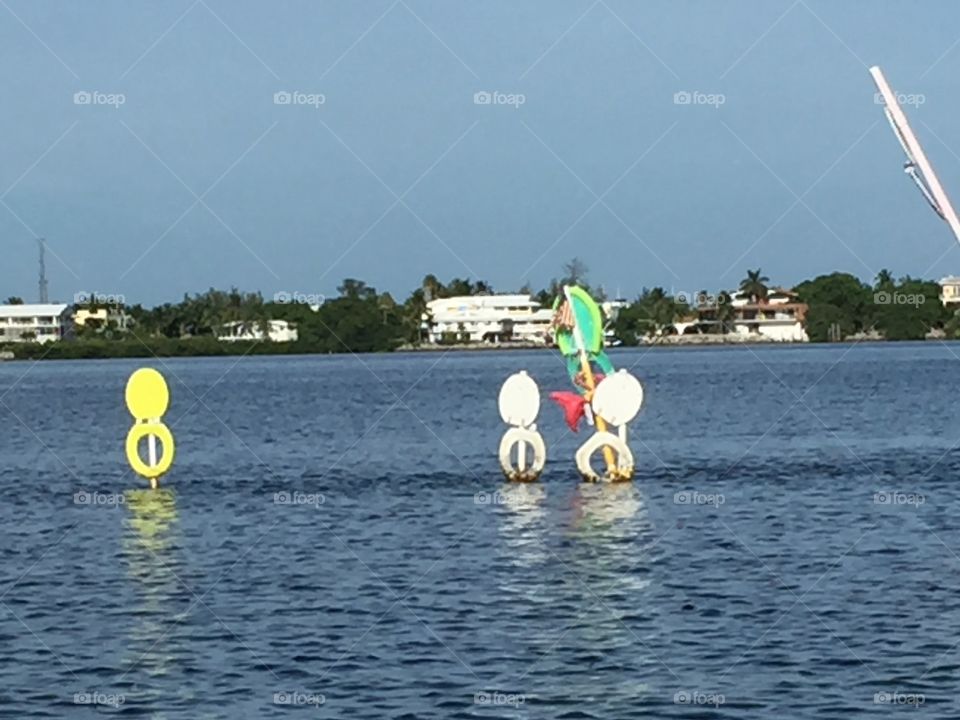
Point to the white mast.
(928, 181)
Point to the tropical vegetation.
(361, 319)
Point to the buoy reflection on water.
(149, 548)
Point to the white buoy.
(519, 404)
(617, 399)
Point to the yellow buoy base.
(163, 434)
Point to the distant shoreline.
(667, 341)
(203, 347)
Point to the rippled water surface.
(788, 549)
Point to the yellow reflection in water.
(148, 549)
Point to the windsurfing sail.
(578, 327)
(917, 165)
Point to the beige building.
(950, 292)
(102, 316)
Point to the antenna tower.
(44, 298)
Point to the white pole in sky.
(915, 151)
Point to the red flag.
(573, 406)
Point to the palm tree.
(884, 280)
(356, 290)
(482, 287)
(725, 312)
(575, 272)
(459, 288)
(386, 305)
(754, 285)
(432, 287)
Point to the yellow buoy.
(147, 399)
(147, 395)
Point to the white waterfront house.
(611, 310)
(277, 331)
(481, 318)
(35, 323)
(779, 317)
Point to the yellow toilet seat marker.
(147, 399)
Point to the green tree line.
(840, 306)
(361, 319)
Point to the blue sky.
(200, 178)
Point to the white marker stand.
(152, 456)
(519, 406)
(617, 399)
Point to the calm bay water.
(790, 545)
